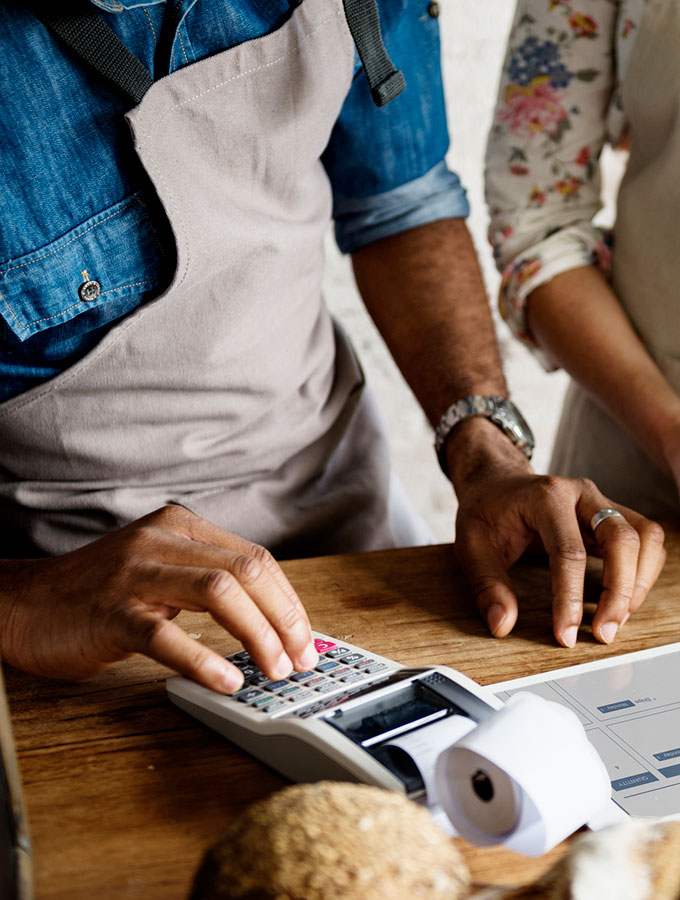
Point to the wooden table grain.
(125, 792)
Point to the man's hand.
(426, 294)
(73, 616)
(504, 507)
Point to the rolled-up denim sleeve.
(436, 195)
(386, 165)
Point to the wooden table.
(125, 792)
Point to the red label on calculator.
(322, 646)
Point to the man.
(176, 394)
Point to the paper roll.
(424, 746)
(526, 777)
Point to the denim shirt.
(72, 188)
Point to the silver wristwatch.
(499, 410)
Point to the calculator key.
(248, 696)
(244, 690)
(259, 680)
(322, 646)
(275, 685)
(355, 676)
(327, 666)
(343, 670)
(300, 698)
(326, 687)
(319, 679)
(276, 704)
(301, 676)
(241, 656)
(250, 672)
(378, 667)
(338, 652)
(261, 701)
(364, 664)
(352, 658)
(291, 689)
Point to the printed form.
(630, 708)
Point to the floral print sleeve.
(558, 104)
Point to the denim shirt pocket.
(105, 263)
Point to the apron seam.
(255, 69)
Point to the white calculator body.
(337, 720)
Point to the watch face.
(499, 410)
(521, 421)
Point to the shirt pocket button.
(89, 290)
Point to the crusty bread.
(337, 841)
(333, 841)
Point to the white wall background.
(473, 40)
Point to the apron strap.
(384, 80)
(93, 41)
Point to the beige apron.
(646, 271)
(233, 393)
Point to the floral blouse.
(560, 101)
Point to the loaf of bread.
(333, 841)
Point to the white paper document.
(630, 708)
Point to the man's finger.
(202, 531)
(651, 558)
(619, 545)
(560, 532)
(183, 539)
(262, 619)
(165, 642)
(489, 582)
(289, 619)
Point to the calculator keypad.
(327, 666)
(248, 695)
(338, 666)
(275, 685)
(338, 652)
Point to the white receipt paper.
(526, 776)
(629, 706)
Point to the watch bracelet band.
(485, 406)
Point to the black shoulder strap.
(384, 80)
(93, 41)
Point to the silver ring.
(603, 514)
